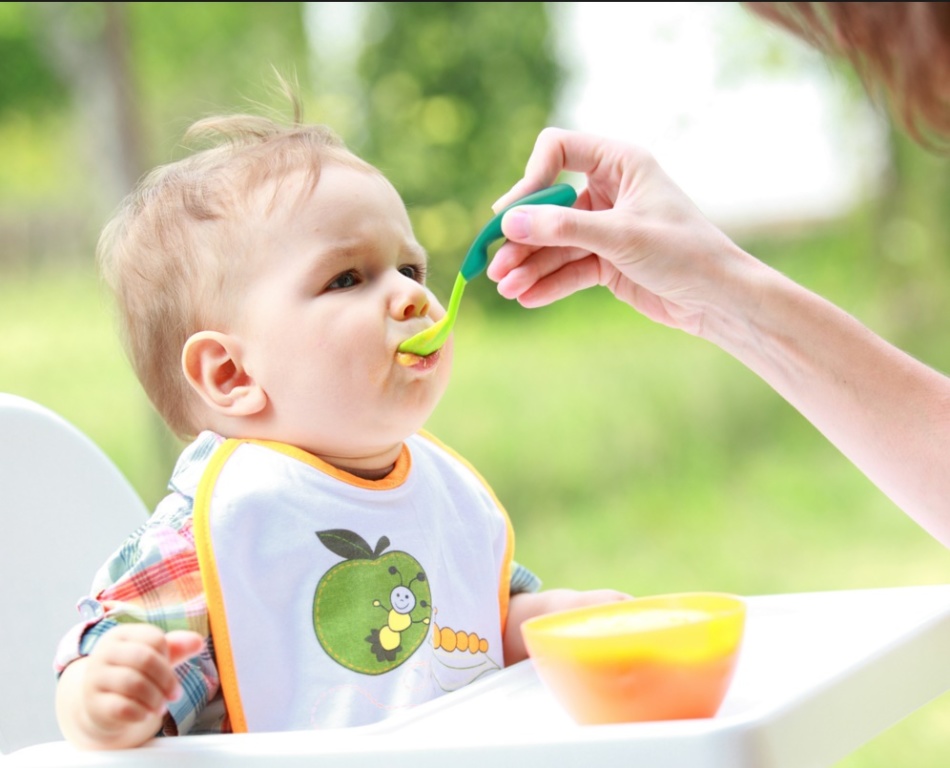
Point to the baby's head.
(263, 286)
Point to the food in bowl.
(664, 657)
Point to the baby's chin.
(375, 454)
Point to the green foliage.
(194, 59)
(62, 64)
(28, 82)
(456, 94)
(34, 106)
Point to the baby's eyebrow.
(413, 250)
(332, 259)
(344, 255)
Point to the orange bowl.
(665, 657)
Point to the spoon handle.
(477, 257)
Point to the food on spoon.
(408, 358)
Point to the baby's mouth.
(411, 360)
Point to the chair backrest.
(64, 508)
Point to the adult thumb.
(552, 225)
(182, 645)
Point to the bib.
(335, 601)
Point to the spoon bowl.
(434, 337)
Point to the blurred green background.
(628, 455)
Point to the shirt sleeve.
(523, 580)
(153, 578)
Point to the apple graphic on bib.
(372, 610)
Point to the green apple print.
(371, 611)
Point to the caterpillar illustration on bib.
(372, 610)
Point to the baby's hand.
(529, 604)
(124, 685)
(564, 599)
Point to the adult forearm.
(886, 411)
(635, 232)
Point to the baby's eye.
(415, 272)
(344, 280)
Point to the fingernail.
(517, 224)
(505, 288)
(497, 206)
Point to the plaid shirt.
(154, 578)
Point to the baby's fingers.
(120, 696)
(137, 664)
(182, 645)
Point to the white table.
(819, 675)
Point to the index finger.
(555, 150)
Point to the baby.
(320, 560)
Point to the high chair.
(819, 673)
(65, 506)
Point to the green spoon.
(432, 338)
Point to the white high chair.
(66, 507)
(819, 675)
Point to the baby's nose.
(410, 302)
(415, 310)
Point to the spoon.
(432, 338)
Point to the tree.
(110, 87)
(455, 95)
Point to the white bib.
(335, 601)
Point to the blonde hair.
(901, 51)
(173, 252)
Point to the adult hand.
(632, 230)
(116, 697)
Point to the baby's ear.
(213, 365)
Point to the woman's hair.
(174, 255)
(901, 52)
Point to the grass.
(628, 455)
